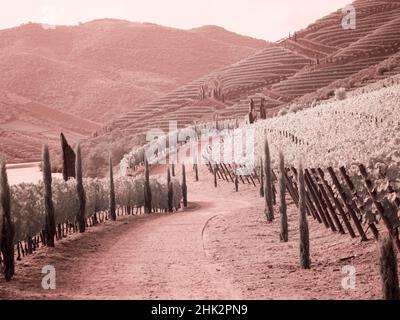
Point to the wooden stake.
(392, 231)
(329, 205)
(346, 203)
(321, 201)
(227, 170)
(310, 204)
(350, 184)
(315, 199)
(337, 204)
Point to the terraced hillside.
(304, 67)
(185, 104)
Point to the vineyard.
(350, 183)
(349, 149)
(289, 149)
(34, 214)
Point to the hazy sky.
(265, 19)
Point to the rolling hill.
(76, 78)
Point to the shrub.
(340, 94)
(382, 70)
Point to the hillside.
(222, 35)
(306, 67)
(25, 125)
(95, 72)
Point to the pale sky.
(265, 19)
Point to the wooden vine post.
(328, 203)
(196, 171)
(227, 170)
(350, 184)
(236, 184)
(392, 230)
(291, 190)
(337, 204)
(214, 171)
(321, 201)
(346, 203)
(309, 202)
(315, 199)
(220, 169)
(235, 170)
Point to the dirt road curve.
(162, 258)
(220, 248)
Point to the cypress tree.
(113, 215)
(170, 192)
(147, 189)
(7, 232)
(236, 183)
(261, 179)
(80, 190)
(196, 171)
(48, 198)
(305, 261)
(184, 187)
(282, 200)
(215, 177)
(269, 209)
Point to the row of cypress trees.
(147, 189)
(6, 225)
(304, 245)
